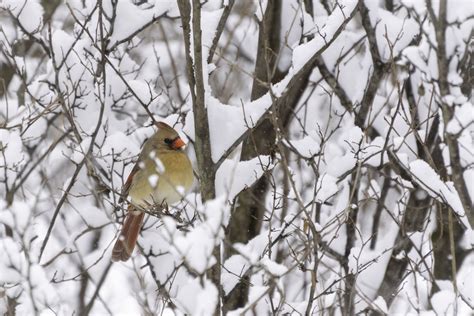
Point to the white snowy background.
(379, 137)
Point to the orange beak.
(177, 144)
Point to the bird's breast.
(155, 184)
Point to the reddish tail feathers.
(128, 236)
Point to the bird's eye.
(168, 141)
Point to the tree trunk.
(246, 219)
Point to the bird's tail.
(125, 243)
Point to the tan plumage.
(162, 174)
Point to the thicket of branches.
(332, 143)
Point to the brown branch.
(447, 110)
(135, 33)
(86, 154)
(220, 29)
(59, 205)
(35, 39)
(334, 84)
(378, 68)
(106, 59)
(295, 85)
(202, 142)
(102, 279)
(39, 160)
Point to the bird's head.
(166, 138)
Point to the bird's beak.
(177, 143)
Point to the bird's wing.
(136, 168)
(128, 183)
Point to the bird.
(162, 175)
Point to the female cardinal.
(162, 174)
